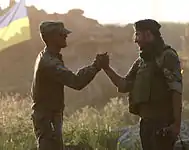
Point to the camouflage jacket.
(50, 77)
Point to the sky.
(117, 11)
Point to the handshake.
(101, 61)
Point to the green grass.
(87, 127)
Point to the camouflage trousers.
(48, 130)
(150, 138)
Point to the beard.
(152, 49)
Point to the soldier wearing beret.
(154, 84)
(50, 77)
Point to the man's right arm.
(124, 84)
(114, 77)
(54, 69)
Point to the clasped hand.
(102, 61)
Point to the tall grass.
(86, 128)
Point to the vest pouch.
(142, 86)
(133, 108)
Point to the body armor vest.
(150, 95)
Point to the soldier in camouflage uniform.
(154, 83)
(50, 77)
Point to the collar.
(54, 54)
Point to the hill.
(88, 38)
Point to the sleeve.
(59, 73)
(126, 83)
(172, 71)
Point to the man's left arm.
(172, 73)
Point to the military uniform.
(50, 77)
(150, 83)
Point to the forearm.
(177, 107)
(114, 77)
(85, 76)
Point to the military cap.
(48, 27)
(147, 24)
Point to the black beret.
(147, 24)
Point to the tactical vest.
(150, 90)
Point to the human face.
(58, 39)
(143, 38)
(61, 39)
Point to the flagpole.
(11, 3)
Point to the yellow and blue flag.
(14, 25)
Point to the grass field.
(87, 127)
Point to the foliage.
(87, 127)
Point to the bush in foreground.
(86, 128)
